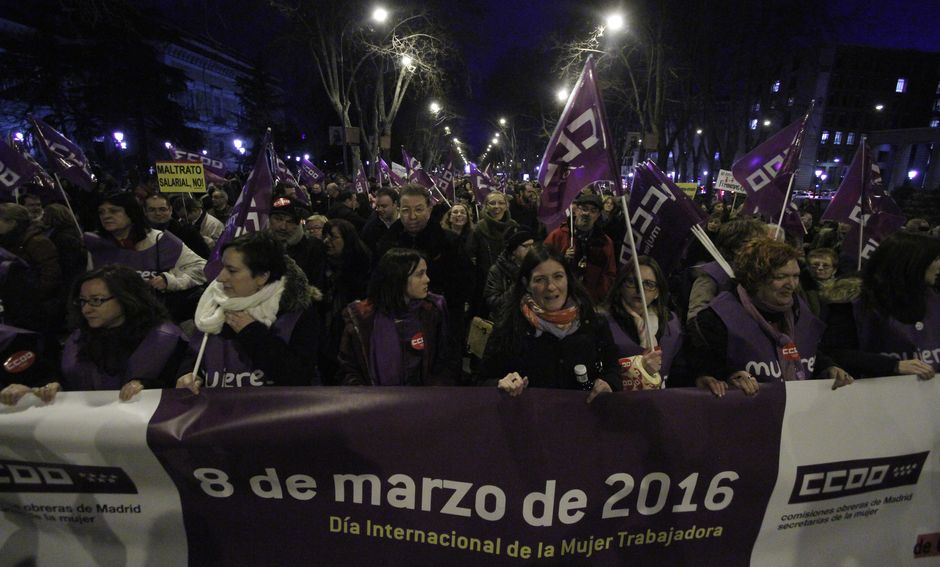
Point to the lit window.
(850, 138)
(825, 137)
(837, 139)
(776, 87)
(901, 85)
(790, 101)
(754, 124)
(756, 107)
(718, 154)
(936, 105)
(933, 124)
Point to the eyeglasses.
(816, 266)
(648, 285)
(94, 301)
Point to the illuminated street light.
(614, 22)
(407, 61)
(18, 136)
(912, 174)
(379, 15)
(699, 131)
(456, 141)
(495, 141)
(167, 145)
(502, 121)
(237, 142)
(562, 94)
(879, 107)
(435, 107)
(307, 157)
(766, 122)
(205, 152)
(496, 135)
(118, 136)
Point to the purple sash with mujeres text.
(146, 363)
(226, 365)
(888, 336)
(154, 260)
(750, 349)
(670, 342)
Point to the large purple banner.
(434, 476)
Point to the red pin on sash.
(790, 352)
(417, 341)
(19, 361)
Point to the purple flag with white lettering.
(447, 179)
(282, 173)
(580, 151)
(421, 177)
(765, 172)
(15, 170)
(481, 184)
(362, 182)
(862, 203)
(64, 156)
(214, 169)
(251, 211)
(394, 179)
(309, 173)
(411, 164)
(662, 216)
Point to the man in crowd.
(189, 210)
(449, 266)
(159, 213)
(319, 202)
(308, 252)
(524, 209)
(591, 253)
(386, 213)
(33, 204)
(345, 208)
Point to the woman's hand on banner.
(839, 377)
(744, 381)
(513, 384)
(13, 393)
(918, 367)
(130, 390)
(600, 387)
(712, 384)
(190, 382)
(47, 393)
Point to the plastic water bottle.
(581, 376)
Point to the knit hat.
(515, 236)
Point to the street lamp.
(379, 15)
(502, 121)
(118, 136)
(766, 122)
(435, 107)
(614, 22)
(238, 143)
(407, 61)
(562, 94)
(879, 107)
(307, 157)
(18, 136)
(699, 132)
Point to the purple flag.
(876, 228)
(421, 177)
(580, 151)
(662, 216)
(411, 164)
(309, 173)
(214, 169)
(15, 170)
(765, 172)
(447, 179)
(251, 211)
(393, 178)
(362, 182)
(64, 156)
(481, 183)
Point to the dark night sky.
(487, 31)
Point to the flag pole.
(636, 267)
(786, 202)
(866, 173)
(202, 350)
(55, 176)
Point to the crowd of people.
(380, 288)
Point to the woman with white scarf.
(646, 358)
(256, 321)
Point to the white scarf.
(262, 306)
(641, 328)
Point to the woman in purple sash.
(894, 327)
(761, 331)
(257, 323)
(161, 259)
(645, 358)
(398, 335)
(124, 340)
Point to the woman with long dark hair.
(550, 336)
(397, 336)
(345, 278)
(645, 361)
(894, 327)
(123, 338)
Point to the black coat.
(548, 362)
